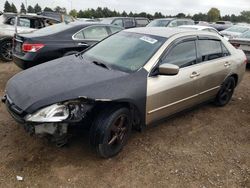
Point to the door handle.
(227, 64)
(194, 75)
(82, 44)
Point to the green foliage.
(7, 7)
(13, 8)
(60, 10)
(213, 15)
(73, 13)
(47, 9)
(23, 9)
(30, 9)
(37, 8)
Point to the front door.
(167, 95)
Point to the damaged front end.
(52, 121)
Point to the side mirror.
(168, 69)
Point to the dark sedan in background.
(59, 40)
(243, 42)
(126, 22)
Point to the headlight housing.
(53, 113)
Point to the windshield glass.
(245, 35)
(106, 20)
(158, 23)
(125, 51)
(237, 29)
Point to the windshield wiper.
(101, 64)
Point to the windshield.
(237, 29)
(245, 35)
(125, 51)
(158, 23)
(106, 20)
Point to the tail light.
(246, 61)
(31, 47)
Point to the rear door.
(214, 66)
(89, 36)
(167, 95)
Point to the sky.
(166, 7)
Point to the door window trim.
(170, 47)
(76, 39)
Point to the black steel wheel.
(226, 92)
(6, 50)
(110, 131)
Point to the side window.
(179, 23)
(183, 54)
(95, 33)
(79, 35)
(209, 49)
(118, 22)
(115, 29)
(128, 23)
(22, 22)
(141, 22)
(173, 24)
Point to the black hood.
(70, 78)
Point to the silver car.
(131, 79)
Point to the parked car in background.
(235, 31)
(242, 42)
(222, 25)
(63, 39)
(57, 16)
(131, 79)
(25, 23)
(201, 23)
(126, 22)
(170, 22)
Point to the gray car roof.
(159, 31)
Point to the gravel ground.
(206, 147)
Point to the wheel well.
(136, 116)
(235, 76)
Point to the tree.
(213, 15)
(23, 9)
(30, 9)
(60, 10)
(245, 15)
(200, 17)
(37, 8)
(73, 13)
(7, 7)
(181, 15)
(47, 9)
(13, 8)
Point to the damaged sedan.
(131, 79)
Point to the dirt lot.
(207, 147)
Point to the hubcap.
(118, 131)
(226, 92)
(7, 50)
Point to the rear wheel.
(110, 131)
(6, 50)
(226, 92)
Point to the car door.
(167, 95)
(214, 66)
(89, 36)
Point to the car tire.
(226, 92)
(70, 53)
(6, 50)
(110, 131)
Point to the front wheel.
(6, 50)
(226, 92)
(110, 131)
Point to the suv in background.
(126, 22)
(170, 22)
(25, 24)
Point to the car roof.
(165, 31)
(173, 19)
(198, 27)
